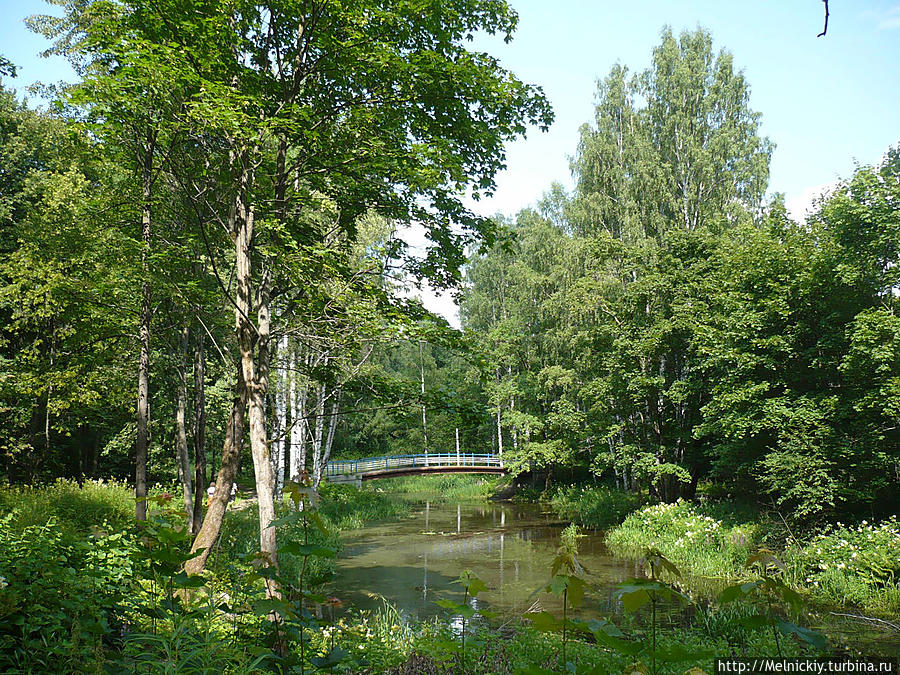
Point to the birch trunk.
(329, 439)
(317, 439)
(181, 444)
(199, 431)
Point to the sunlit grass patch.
(859, 564)
(439, 488)
(594, 506)
(689, 536)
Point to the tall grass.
(77, 509)
(349, 508)
(857, 564)
(594, 506)
(706, 541)
(439, 488)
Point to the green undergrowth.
(439, 488)
(844, 565)
(857, 564)
(73, 508)
(712, 540)
(594, 506)
(82, 587)
(349, 508)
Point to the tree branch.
(825, 29)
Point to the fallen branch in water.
(870, 619)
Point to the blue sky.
(827, 103)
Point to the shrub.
(688, 536)
(59, 595)
(594, 506)
(858, 564)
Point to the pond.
(413, 562)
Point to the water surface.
(412, 562)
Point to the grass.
(712, 541)
(349, 508)
(75, 508)
(594, 507)
(439, 488)
(52, 557)
(844, 565)
(858, 564)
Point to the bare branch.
(825, 29)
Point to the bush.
(688, 536)
(594, 506)
(858, 564)
(59, 595)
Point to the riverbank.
(83, 590)
(856, 566)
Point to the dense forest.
(204, 276)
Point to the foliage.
(348, 508)
(594, 506)
(857, 564)
(61, 595)
(690, 536)
(78, 509)
(441, 488)
(465, 610)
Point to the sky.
(828, 103)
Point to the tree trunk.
(254, 347)
(283, 413)
(320, 427)
(422, 374)
(199, 431)
(231, 462)
(499, 435)
(143, 397)
(181, 444)
(329, 439)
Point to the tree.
(367, 107)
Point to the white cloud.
(441, 303)
(803, 204)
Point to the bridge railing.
(391, 462)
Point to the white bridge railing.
(396, 462)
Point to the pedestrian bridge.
(372, 468)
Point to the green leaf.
(543, 621)
(266, 606)
(575, 591)
(334, 657)
(811, 637)
(557, 585)
(471, 583)
(753, 622)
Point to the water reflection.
(413, 562)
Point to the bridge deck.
(383, 467)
